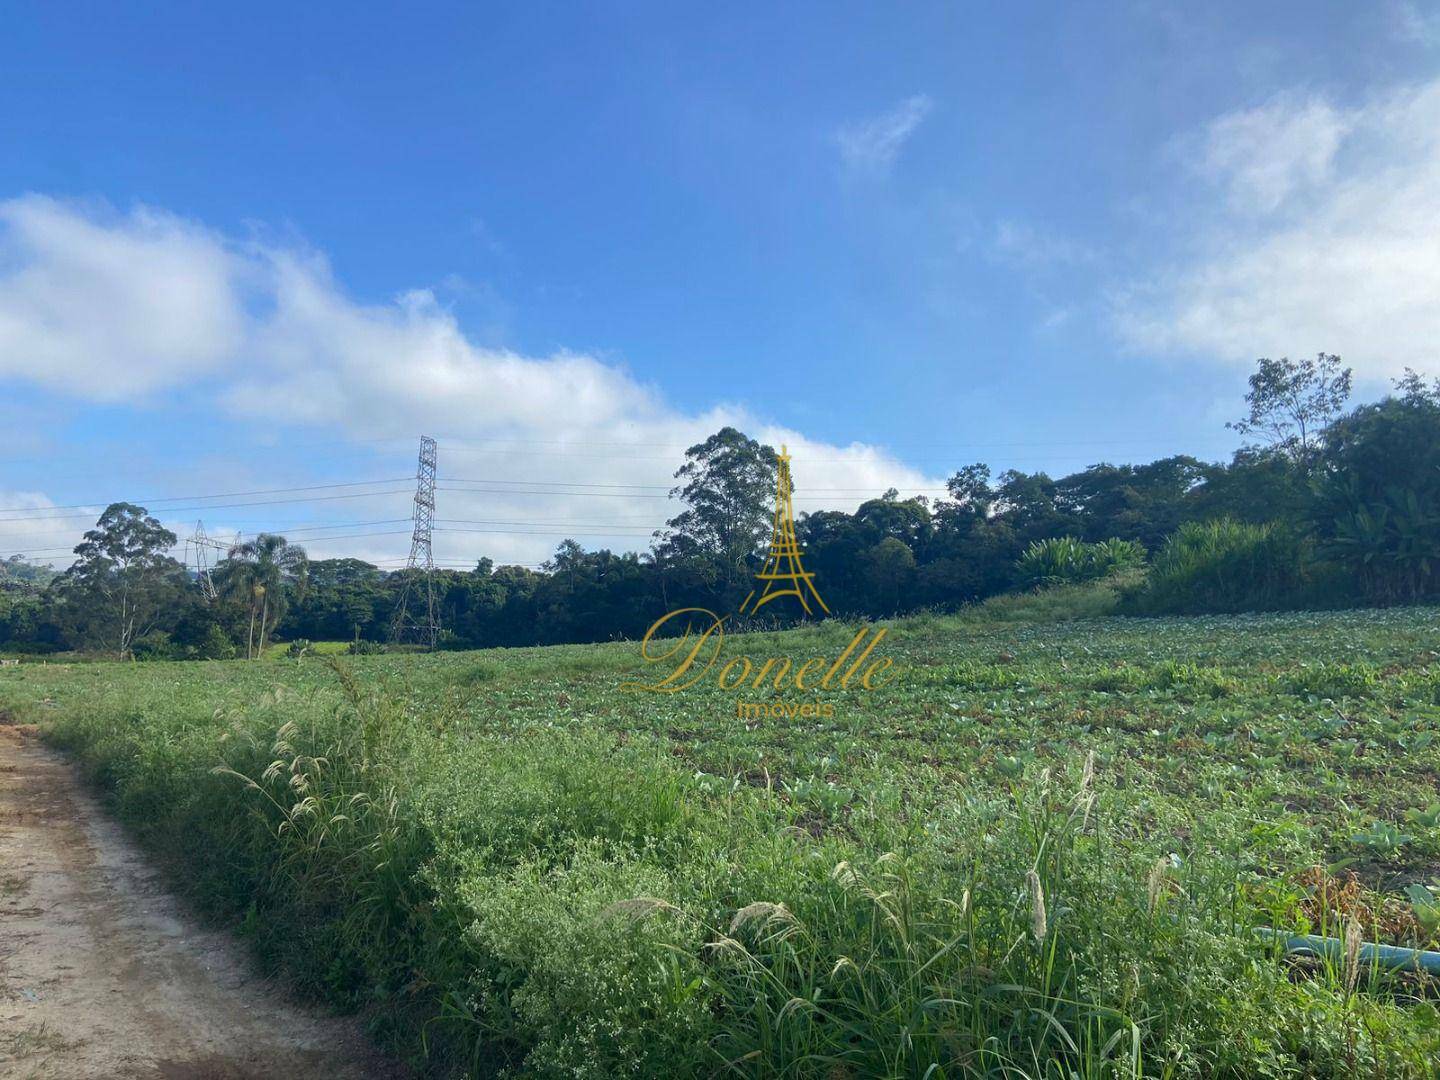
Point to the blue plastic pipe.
(1387, 956)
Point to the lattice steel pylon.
(421, 625)
(783, 566)
(202, 544)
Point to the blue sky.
(266, 248)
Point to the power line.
(878, 489)
(29, 513)
(270, 527)
(46, 518)
(528, 491)
(310, 540)
(562, 524)
(215, 506)
(548, 532)
(219, 495)
(651, 487)
(931, 459)
(451, 564)
(682, 447)
(675, 447)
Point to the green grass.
(508, 864)
(280, 650)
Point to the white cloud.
(160, 302)
(1266, 154)
(872, 145)
(1331, 240)
(112, 308)
(1414, 25)
(32, 525)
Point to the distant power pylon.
(784, 573)
(417, 625)
(201, 545)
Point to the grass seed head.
(1155, 886)
(763, 911)
(1039, 926)
(1353, 940)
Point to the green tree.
(264, 572)
(18, 568)
(729, 493)
(1377, 494)
(122, 583)
(888, 573)
(1259, 485)
(971, 491)
(1145, 503)
(1292, 402)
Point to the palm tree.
(262, 571)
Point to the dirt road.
(103, 974)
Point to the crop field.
(1042, 850)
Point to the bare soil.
(104, 974)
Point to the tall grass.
(1055, 603)
(561, 902)
(1066, 560)
(1228, 566)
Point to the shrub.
(1335, 681)
(1064, 560)
(1120, 680)
(155, 645)
(1192, 679)
(1227, 566)
(1088, 600)
(216, 645)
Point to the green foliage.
(1060, 602)
(514, 867)
(156, 645)
(1377, 502)
(122, 583)
(1226, 566)
(727, 484)
(18, 569)
(1382, 838)
(215, 646)
(1066, 560)
(1291, 402)
(264, 574)
(1425, 903)
(1335, 680)
(1334, 510)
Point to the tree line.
(1325, 505)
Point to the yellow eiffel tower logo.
(783, 572)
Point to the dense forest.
(1326, 505)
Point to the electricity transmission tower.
(784, 573)
(422, 624)
(202, 545)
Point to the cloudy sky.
(247, 257)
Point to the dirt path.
(102, 974)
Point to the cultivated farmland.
(1042, 850)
